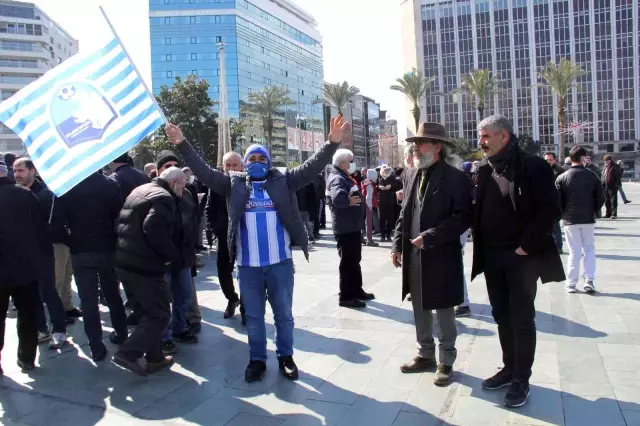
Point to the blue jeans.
(179, 282)
(50, 296)
(257, 284)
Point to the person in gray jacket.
(264, 222)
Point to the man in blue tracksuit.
(264, 222)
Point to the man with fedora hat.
(437, 208)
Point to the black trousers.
(26, 298)
(512, 286)
(387, 219)
(611, 201)
(225, 268)
(154, 308)
(350, 251)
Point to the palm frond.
(414, 85)
(338, 94)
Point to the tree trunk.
(561, 123)
(481, 111)
(269, 133)
(416, 116)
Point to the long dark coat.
(537, 202)
(445, 214)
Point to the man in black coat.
(550, 157)
(612, 181)
(91, 209)
(21, 227)
(437, 208)
(218, 218)
(306, 197)
(388, 185)
(25, 176)
(145, 251)
(516, 206)
(128, 177)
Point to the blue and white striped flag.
(81, 115)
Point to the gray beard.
(423, 162)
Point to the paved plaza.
(587, 368)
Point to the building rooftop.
(294, 9)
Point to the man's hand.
(396, 259)
(521, 252)
(418, 242)
(354, 200)
(174, 133)
(400, 195)
(338, 127)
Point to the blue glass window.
(194, 40)
(168, 58)
(167, 40)
(169, 74)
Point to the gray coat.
(281, 187)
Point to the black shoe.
(74, 313)
(366, 296)
(154, 367)
(69, 320)
(201, 248)
(116, 338)
(185, 337)
(255, 371)
(100, 355)
(26, 366)
(288, 367)
(132, 365)
(627, 201)
(169, 348)
(499, 380)
(133, 320)
(231, 309)
(517, 394)
(354, 303)
(464, 311)
(195, 328)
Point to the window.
(218, 39)
(192, 19)
(249, 75)
(266, 80)
(169, 74)
(167, 21)
(167, 1)
(167, 40)
(217, 19)
(194, 40)
(168, 57)
(194, 56)
(194, 72)
(286, 73)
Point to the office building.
(515, 39)
(31, 44)
(388, 142)
(267, 42)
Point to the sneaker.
(116, 338)
(43, 336)
(26, 366)
(589, 287)
(185, 337)
(288, 367)
(255, 371)
(74, 313)
(135, 366)
(463, 311)
(169, 348)
(418, 365)
(443, 375)
(353, 303)
(231, 309)
(517, 394)
(570, 290)
(58, 340)
(499, 380)
(154, 367)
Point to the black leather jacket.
(581, 195)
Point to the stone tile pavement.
(586, 372)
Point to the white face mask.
(352, 167)
(192, 179)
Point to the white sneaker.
(589, 287)
(58, 340)
(570, 290)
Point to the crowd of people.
(142, 229)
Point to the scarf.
(502, 162)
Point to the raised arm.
(214, 179)
(306, 172)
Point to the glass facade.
(515, 39)
(262, 48)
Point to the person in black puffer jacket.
(146, 250)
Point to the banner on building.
(318, 141)
(306, 140)
(293, 138)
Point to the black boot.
(255, 371)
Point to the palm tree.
(265, 103)
(481, 85)
(560, 79)
(414, 85)
(338, 94)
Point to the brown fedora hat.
(430, 132)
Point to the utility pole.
(224, 131)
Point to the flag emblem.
(82, 114)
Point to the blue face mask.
(258, 171)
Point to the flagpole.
(113, 30)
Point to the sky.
(365, 51)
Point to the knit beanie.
(166, 156)
(257, 149)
